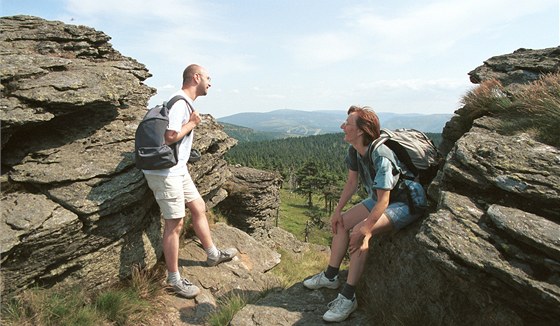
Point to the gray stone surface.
(252, 203)
(74, 207)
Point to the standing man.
(174, 187)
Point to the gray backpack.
(150, 150)
(418, 153)
(414, 149)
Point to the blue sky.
(395, 56)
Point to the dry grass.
(539, 102)
(51, 307)
(542, 97)
(295, 268)
(532, 108)
(489, 97)
(133, 302)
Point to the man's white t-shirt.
(179, 114)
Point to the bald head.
(190, 72)
(196, 81)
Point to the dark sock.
(348, 291)
(331, 272)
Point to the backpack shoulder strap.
(169, 104)
(378, 142)
(401, 153)
(374, 146)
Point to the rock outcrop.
(244, 277)
(490, 252)
(74, 207)
(252, 202)
(512, 70)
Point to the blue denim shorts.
(397, 212)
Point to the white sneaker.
(340, 308)
(185, 289)
(321, 281)
(225, 255)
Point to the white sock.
(213, 252)
(173, 277)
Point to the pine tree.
(307, 181)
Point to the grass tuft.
(487, 98)
(51, 307)
(541, 97)
(539, 103)
(532, 108)
(128, 303)
(228, 306)
(295, 268)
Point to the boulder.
(488, 253)
(75, 207)
(252, 203)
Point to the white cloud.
(129, 10)
(152, 24)
(273, 96)
(413, 84)
(325, 48)
(437, 26)
(167, 35)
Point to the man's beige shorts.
(171, 193)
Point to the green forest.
(310, 166)
(289, 155)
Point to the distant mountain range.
(307, 123)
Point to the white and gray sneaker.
(340, 308)
(225, 255)
(185, 289)
(321, 281)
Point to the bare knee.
(173, 225)
(341, 229)
(197, 208)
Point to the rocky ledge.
(74, 207)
